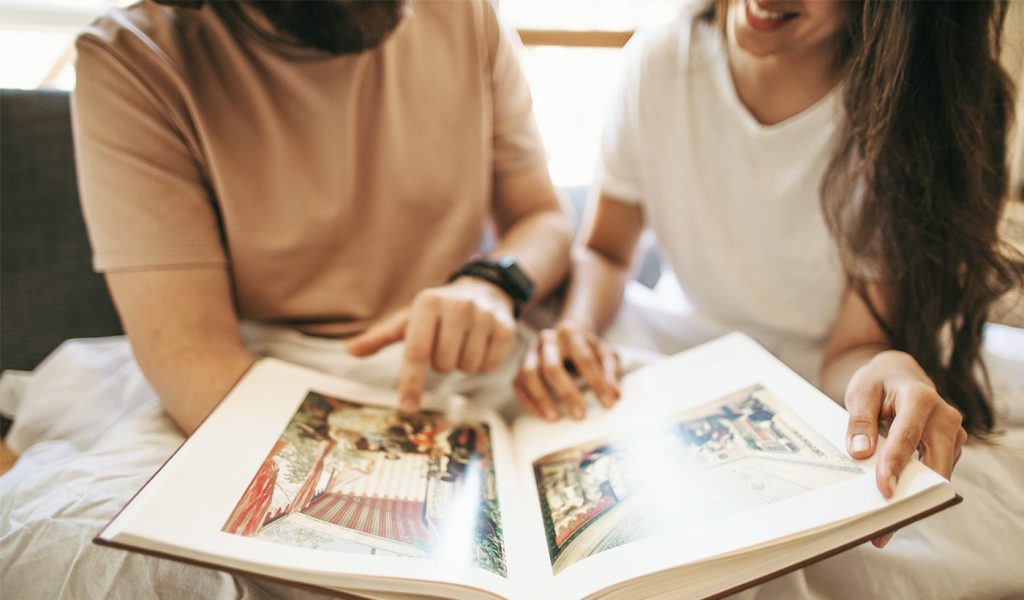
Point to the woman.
(827, 177)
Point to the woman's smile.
(762, 19)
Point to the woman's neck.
(776, 88)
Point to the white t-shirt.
(734, 204)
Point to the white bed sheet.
(90, 432)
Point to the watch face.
(516, 277)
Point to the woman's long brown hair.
(918, 183)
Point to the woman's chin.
(757, 44)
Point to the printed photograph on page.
(740, 452)
(349, 477)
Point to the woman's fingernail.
(892, 484)
(860, 443)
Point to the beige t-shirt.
(332, 188)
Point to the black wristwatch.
(504, 273)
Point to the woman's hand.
(893, 388)
(547, 373)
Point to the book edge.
(956, 499)
(235, 571)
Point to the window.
(572, 57)
(40, 34)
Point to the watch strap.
(495, 274)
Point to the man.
(325, 169)
(327, 166)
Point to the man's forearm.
(533, 227)
(540, 242)
(192, 380)
(185, 335)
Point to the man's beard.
(334, 26)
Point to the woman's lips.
(763, 19)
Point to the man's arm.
(185, 335)
(468, 324)
(534, 227)
(153, 226)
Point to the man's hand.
(466, 325)
(892, 387)
(546, 373)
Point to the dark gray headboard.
(48, 291)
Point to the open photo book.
(719, 468)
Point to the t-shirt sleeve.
(517, 145)
(145, 201)
(619, 174)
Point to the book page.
(710, 452)
(303, 476)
